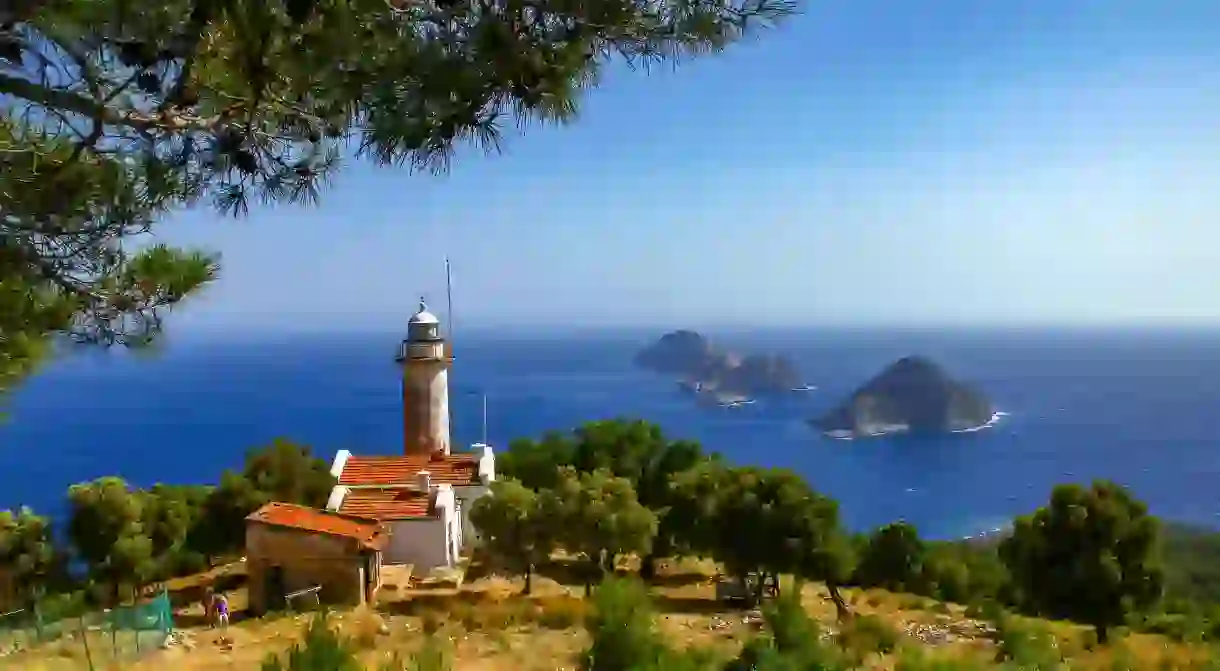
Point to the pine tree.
(114, 113)
(27, 552)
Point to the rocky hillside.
(912, 395)
(693, 359)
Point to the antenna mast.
(449, 297)
(484, 418)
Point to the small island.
(719, 376)
(912, 395)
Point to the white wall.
(417, 542)
(427, 543)
(468, 494)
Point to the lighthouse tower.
(425, 359)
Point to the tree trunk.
(841, 609)
(529, 579)
(1103, 633)
(648, 567)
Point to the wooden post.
(84, 637)
(167, 612)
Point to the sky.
(917, 163)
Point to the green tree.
(623, 447)
(513, 528)
(640, 452)
(963, 572)
(106, 529)
(1091, 555)
(27, 551)
(536, 463)
(763, 522)
(112, 115)
(288, 472)
(818, 546)
(657, 493)
(598, 516)
(893, 558)
(281, 471)
(169, 512)
(220, 529)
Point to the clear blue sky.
(906, 162)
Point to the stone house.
(291, 548)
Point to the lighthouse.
(425, 359)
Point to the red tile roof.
(387, 503)
(453, 469)
(366, 531)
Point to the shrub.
(365, 628)
(187, 563)
(918, 659)
(1088, 639)
(794, 641)
(1175, 626)
(868, 634)
(622, 630)
(561, 613)
(912, 602)
(431, 622)
(433, 656)
(321, 649)
(1027, 645)
(986, 609)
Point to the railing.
(97, 640)
(308, 591)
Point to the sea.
(1141, 407)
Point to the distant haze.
(870, 163)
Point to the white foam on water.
(848, 435)
(995, 419)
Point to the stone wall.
(426, 407)
(307, 559)
(8, 592)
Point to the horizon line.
(550, 330)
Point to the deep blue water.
(1138, 407)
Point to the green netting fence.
(58, 636)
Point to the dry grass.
(492, 627)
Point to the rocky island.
(912, 395)
(717, 375)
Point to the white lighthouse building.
(424, 493)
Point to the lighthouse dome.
(423, 316)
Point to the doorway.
(274, 590)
